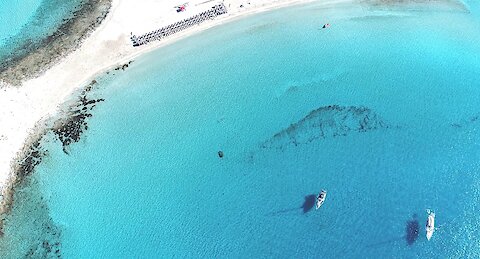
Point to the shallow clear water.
(15, 15)
(146, 181)
(28, 21)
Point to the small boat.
(430, 227)
(321, 198)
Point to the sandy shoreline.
(37, 107)
(27, 60)
(26, 109)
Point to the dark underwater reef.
(326, 122)
(69, 129)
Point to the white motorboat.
(430, 227)
(321, 199)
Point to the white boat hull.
(320, 199)
(430, 227)
(429, 235)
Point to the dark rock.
(327, 122)
(68, 130)
(36, 56)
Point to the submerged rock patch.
(32, 155)
(36, 56)
(326, 122)
(32, 158)
(28, 219)
(124, 66)
(68, 130)
(30, 232)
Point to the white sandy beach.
(26, 107)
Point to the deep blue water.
(146, 181)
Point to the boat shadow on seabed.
(308, 204)
(412, 231)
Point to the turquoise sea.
(15, 15)
(25, 23)
(382, 110)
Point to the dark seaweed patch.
(50, 247)
(32, 158)
(466, 122)
(35, 57)
(44, 240)
(45, 237)
(327, 122)
(70, 129)
(124, 66)
(25, 165)
(31, 223)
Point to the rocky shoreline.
(30, 212)
(28, 159)
(33, 59)
(67, 128)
